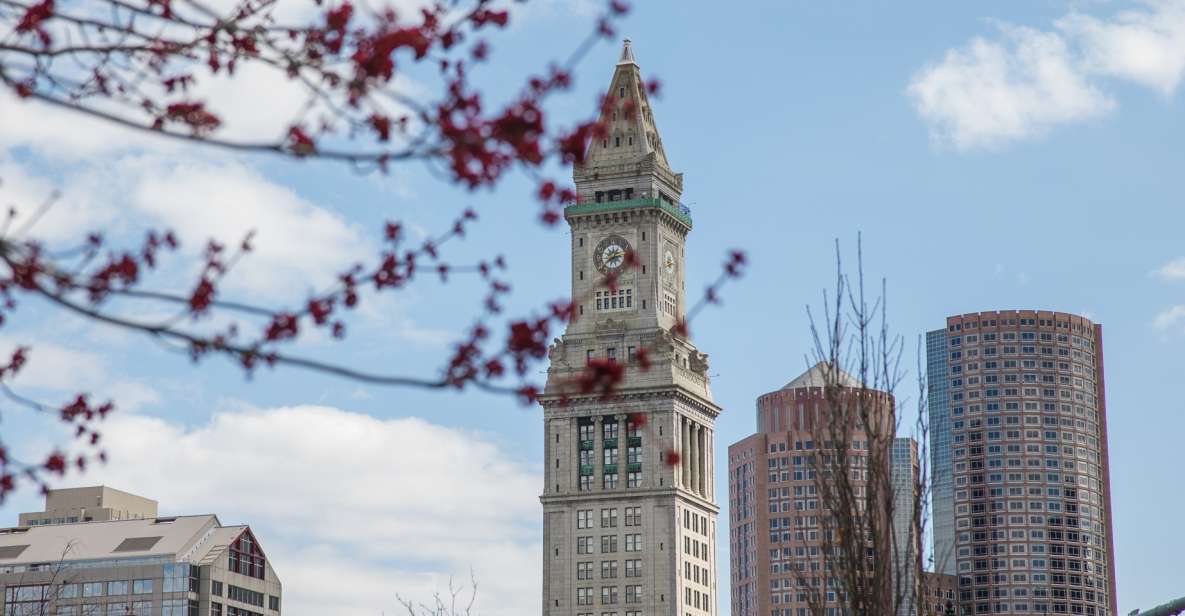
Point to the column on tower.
(685, 454)
(598, 453)
(623, 448)
(710, 475)
(700, 459)
(696, 463)
(677, 447)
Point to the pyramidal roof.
(817, 376)
(633, 134)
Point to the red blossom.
(34, 18)
(671, 457)
(642, 357)
(600, 376)
(193, 114)
(56, 463)
(299, 142)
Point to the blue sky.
(993, 155)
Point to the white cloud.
(1144, 46)
(73, 209)
(1173, 270)
(67, 371)
(1028, 81)
(1172, 318)
(385, 505)
(299, 247)
(990, 93)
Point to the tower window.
(616, 141)
(622, 299)
(631, 140)
(621, 92)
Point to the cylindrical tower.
(781, 484)
(1023, 461)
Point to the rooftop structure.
(89, 504)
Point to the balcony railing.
(680, 211)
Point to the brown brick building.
(1022, 497)
(777, 512)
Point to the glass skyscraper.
(942, 520)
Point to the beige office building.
(151, 566)
(89, 504)
(629, 512)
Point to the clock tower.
(629, 513)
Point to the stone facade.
(629, 499)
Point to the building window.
(609, 518)
(608, 544)
(608, 595)
(633, 568)
(633, 594)
(621, 299)
(584, 571)
(608, 569)
(633, 543)
(584, 518)
(246, 558)
(633, 516)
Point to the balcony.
(680, 211)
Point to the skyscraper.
(778, 510)
(1019, 442)
(903, 476)
(629, 516)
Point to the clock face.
(668, 262)
(610, 254)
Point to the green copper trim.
(681, 212)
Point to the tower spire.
(632, 133)
(627, 54)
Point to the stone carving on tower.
(629, 507)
